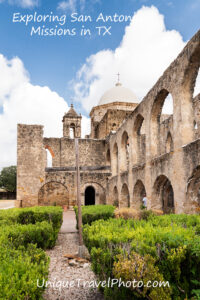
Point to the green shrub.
(32, 215)
(172, 241)
(92, 213)
(19, 271)
(41, 234)
(23, 232)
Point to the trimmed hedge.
(32, 215)
(171, 243)
(23, 232)
(92, 213)
(41, 234)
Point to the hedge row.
(24, 233)
(92, 213)
(164, 248)
(32, 215)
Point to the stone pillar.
(31, 162)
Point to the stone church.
(133, 150)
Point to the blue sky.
(39, 76)
(54, 61)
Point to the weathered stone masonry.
(132, 150)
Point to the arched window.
(139, 140)
(108, 157)
(115, 197)
(169, 143)
(139, 193)
(125, 198)
(162, 112)
(49, 156)
(124, 161)
(163, 195)
(197, 85)
(72, 131)
(115, 160)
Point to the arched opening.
(161, 116)
(115, 160)
(90, 196)
(114, 127)
(49, 156)
(72, 131)
(169, 143)
(139, 193)
(193, 192)
(49, 159)
(125, 198)
(139, 140)
(108, 157)
(53, 193)
(115, 197)
(197, 85)
(163, 195)
(124, 161)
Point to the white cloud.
(67, 5)
(145, 51)
(22, 3)
(25, 103)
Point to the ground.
(60, 270)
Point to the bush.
(171, 242)
(32, 215)
(41, 234)
(23, 232)
(19, 271)
(92, 213)
(127, 213)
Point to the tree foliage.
(8, 178)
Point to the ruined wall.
(31, 162)
(157, 158)
(67, 179)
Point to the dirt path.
(61, 273)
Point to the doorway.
(90, 196)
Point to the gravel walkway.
(61, 273)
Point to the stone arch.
(156, 121)
(115, 160)
(72, 130)
(139, 192)
(49, 156)
(115, 197)
(125, 197)
(53, 193)
(169, 146)
(124, 152)
(188, 92)
(100, 195)
(108, 160)
(139, 139)
(193, 192)
(191, 70)
(163, 195)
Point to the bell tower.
(72, 124)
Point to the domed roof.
(118, 94)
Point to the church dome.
(118, 94)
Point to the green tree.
(8, 178)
